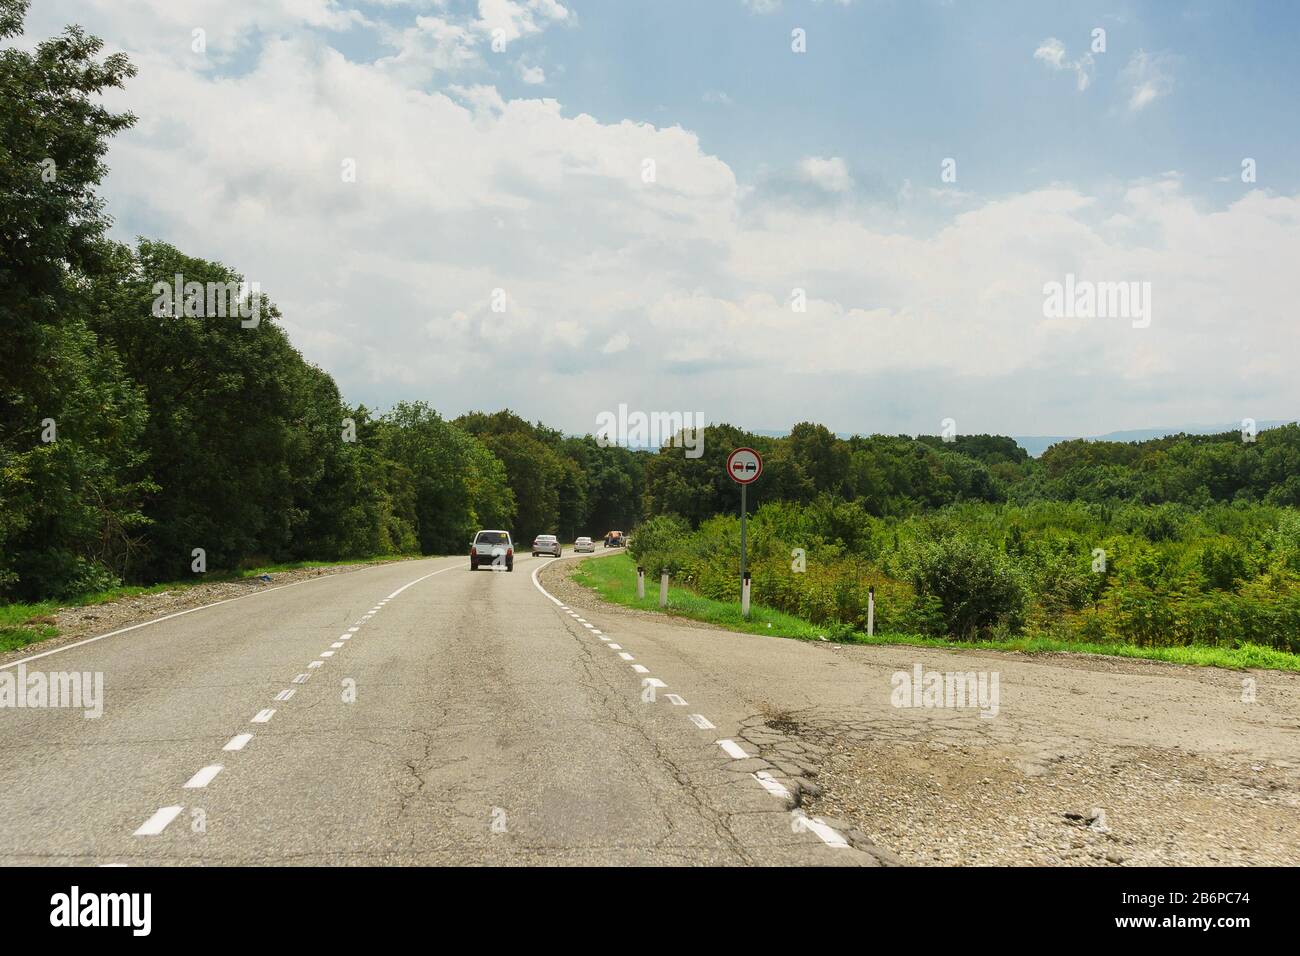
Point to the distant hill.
(1037, 444)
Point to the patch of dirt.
(1092, 761)
(939, 800)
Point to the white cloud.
(517, 18)
(1150, 76)
(830, 174)
(1052, 52)
(679, 290)
(532, 75)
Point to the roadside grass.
(614, 579)
(26, 623)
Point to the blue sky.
(776, 173)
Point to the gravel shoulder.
(1087, 761)
(78, 623)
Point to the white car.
(546, 544)
(583, 544)
(492, 548)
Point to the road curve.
(413, 713)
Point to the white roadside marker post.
(663, 589)
(640, 582)
(871, 610)
(744, 595)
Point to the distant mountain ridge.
(1035, 445)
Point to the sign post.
(744, 465)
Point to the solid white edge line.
(158, 822)
(204, 607)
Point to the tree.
(69, 417)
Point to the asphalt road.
(410, 713)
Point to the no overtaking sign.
(744, 465)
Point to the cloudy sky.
(648, 184)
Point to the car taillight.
(473, 550)
(510, 552)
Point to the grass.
(614, 579)
(26, 623)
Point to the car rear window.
(546, 537)
(491, 537)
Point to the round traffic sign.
(744, 465)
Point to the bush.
(656, 541)
(973, 582)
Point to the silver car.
(583, 544)
(546, 544)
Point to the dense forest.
(1174, 541)
(129, 438)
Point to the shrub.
(973, 582)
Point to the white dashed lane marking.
(165, 815)
(158, 822)
(826, 833)
(626, 656)
(732, 750)
(203, 777)
(771, 785)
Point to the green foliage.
(974, 584)
(70, 490)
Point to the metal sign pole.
(743, 466)
(743, 509)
